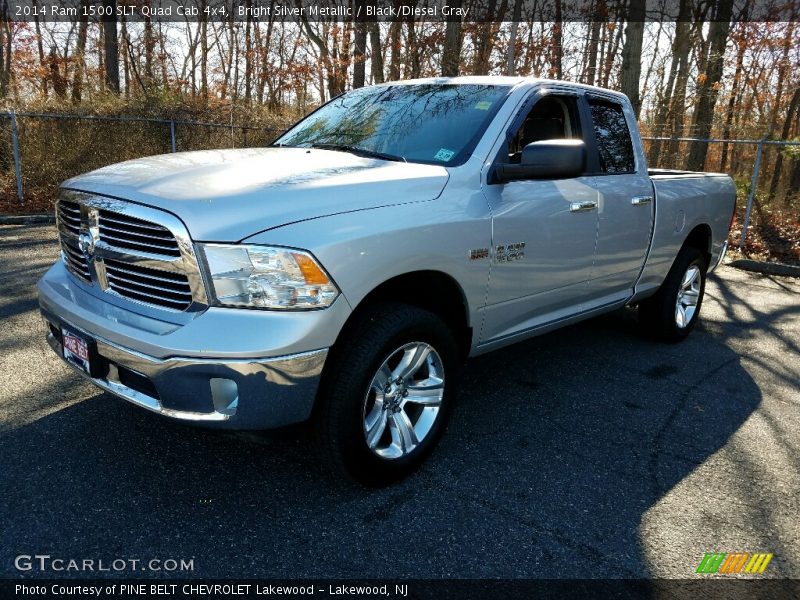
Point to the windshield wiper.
(359, 151)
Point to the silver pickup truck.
(344, 274)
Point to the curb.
(26, 219)
(767, 268)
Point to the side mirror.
(548, 159)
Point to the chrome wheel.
(403, 400)
(688, 296)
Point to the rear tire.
(386, 393)
(672, 313)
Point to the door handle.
(641, 200)
(582, 206)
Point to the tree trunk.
(5, 49)
(59, 83)
(111, 46)
(414, 49)
(794, 109)
(376, 56)
(558, 49)
(737, 76)
(265, 54)
(451, 56)
(677, 108)
(484, 42)
(511, 58)
(360, 51)
(126, 68)
(632, 54)
(394, 44)
(591, 51)
(708, 92)
(40, 48)
(662, 114)
(203, 53)
(80, 56)
(248, 57)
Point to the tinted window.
(552, 118)
(613, 138)
(427, 123)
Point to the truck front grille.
(171, 290)
(69, 218)
(75, 260)
(128, 232)
(69, 215)
(134, 252)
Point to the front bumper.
(255, 390)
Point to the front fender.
(364, 249)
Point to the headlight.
(264, 277)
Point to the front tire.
(672, 313)
(386, 394)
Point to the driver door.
(544, 231)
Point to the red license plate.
(76, 350)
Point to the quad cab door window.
(554, 217)
(625, 202)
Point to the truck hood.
(228, 195)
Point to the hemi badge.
(478, 253)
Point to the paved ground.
(589, 452)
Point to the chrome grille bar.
(133, 252)
(76, 262)
(124, 231)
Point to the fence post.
(172, 136)
(17, 160)
(751, 193)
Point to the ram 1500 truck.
(344, 274)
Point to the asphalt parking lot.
(587, 453)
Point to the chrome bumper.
(226, 393)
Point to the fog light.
(225, 395)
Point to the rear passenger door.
(625, 200)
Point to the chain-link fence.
(766, 172)
(39, 150)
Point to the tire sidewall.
(691, 257)
(416, 326)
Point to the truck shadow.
(556, 449)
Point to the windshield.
(426, 123)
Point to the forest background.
(703, 69)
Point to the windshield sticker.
(444, 154)
(483, 105)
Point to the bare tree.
(632, 53)
(512, 40)
(376, 55)
(451, 56)
(5, 49)
(111, 45)
(80, 58)
(708, 90)
(359, 51)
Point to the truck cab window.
(613, 138)
(551, 118)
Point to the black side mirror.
(548, 159)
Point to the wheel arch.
(700, 237)
(431, 290)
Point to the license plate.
(76, 350)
